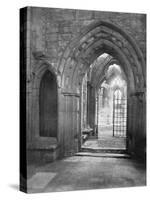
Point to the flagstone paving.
(85, 172)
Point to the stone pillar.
(88, 102)
(131, 125)
(136, 125)
(140, 139)
(91, 106)
(84, 103)
(69, 123)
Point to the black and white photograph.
(82, 99)
(75, 100)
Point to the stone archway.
(98, 38)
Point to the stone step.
(109, 155)
(103, 150)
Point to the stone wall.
(53, 29)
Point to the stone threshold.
(103, 150)
(109, 155)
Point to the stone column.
(69, 122)
(136, 129)
(88, 102)
(92, 101)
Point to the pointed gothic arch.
(98, 38)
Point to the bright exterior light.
(117, 82)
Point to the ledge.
(68, 93)
(43, 144)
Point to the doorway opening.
(119, 114)
(104, 106)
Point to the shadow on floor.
(14, 187)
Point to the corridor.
(85, 97)
(85, 172)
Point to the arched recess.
(98, 38)
(48, 105)
(43, 73)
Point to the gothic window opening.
(119, 114)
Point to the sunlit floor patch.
(106, 142)
(40, 180)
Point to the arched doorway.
(48, 105)
(108, 130)
(95, 40)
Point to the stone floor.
(105, 130)
(106, 142)
(85, 172)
